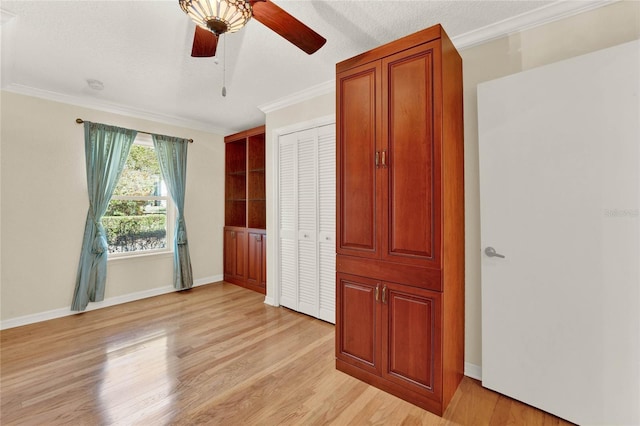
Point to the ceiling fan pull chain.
(224, 64)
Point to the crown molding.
(543, 15)
(114, 108)
(303, 95)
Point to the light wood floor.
(212, 355)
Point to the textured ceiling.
(140, 50)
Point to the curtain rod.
(80, 121)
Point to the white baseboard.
(208, 280)
(270, 301)
(111, 301)
(473, 371)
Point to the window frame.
(143, 139)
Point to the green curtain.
(172, 156)
(106, 151)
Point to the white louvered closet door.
(307, 221)
(287, 198)
(307, 224)
(327, 222)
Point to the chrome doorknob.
(491, 252)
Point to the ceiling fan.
(215, 17)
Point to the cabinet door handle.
(377, 292)
(233, 234)
(384, 294)
(377, 159)
(384, 158)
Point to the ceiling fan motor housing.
(217, 26)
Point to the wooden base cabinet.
(390, 330)
(400, 218)
(245, 257)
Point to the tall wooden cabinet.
(245, 209)
(400, 218)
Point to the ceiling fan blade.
(275, 18)
(204, 43)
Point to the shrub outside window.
(140, 214)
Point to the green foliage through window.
(139, 221)
(133, 233)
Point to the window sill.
(141, 256)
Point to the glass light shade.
(218, 16)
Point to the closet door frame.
(273, 190)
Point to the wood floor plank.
(213, 355)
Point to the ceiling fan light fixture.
(218, 16)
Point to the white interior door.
(287, 220)
(560, 199)
(307, 224)
(306, 204)
(327, 222)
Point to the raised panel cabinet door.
(263, 263)
(358, 133)
(411, 336)
(410, 156)
(240, 237)
(229, 253)
(254, 258)
(358, 322)
(234, 253)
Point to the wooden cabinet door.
(263, 264)
(358, 320)
(411, 153)
(358, 133)
(254, 258)
(411, 336)
(234, 253)
(229, 253)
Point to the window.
(139, 218)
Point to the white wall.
(597, 29)
(44, 206)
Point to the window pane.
(136, 225)
(141, 174)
